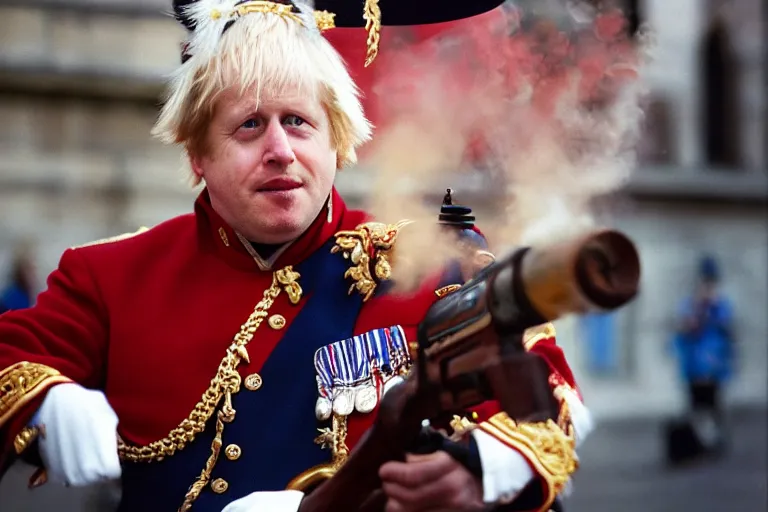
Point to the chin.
(276, 223)
(281, 231)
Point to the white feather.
(307, 15)
(210, 18)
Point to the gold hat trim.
(325, 20)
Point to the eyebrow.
(241, 109)
(298, 107)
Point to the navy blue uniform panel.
(275, 426)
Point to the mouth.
(279, 185)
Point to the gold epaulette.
(369, 248)
(112, 239)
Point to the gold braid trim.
(226, 382)
(325, 20)
(372, 16)
(333, 439)
(205, 474)
(112, 239)
(25, 438)
(369, 248)
(550, 448)
(21, 383)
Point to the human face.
(268, 170)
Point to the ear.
(196, 163)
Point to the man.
(704, 343)
(197, 360)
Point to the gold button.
(277, 321)
(224, 237)
(219, 486)
(233, 452)
(253, 382)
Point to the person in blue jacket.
(704, 344)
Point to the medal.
(344, 402)
(349, 372)
(323, 409)
(366, 399)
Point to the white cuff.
(277, 501)
(505, 471)
(581, 418)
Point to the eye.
(250, 124)
(293, 120)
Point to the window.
(657, 144)
(720, 109)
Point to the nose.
(277, 149)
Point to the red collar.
(217, 236)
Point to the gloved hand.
(78, 438)
(277, 501)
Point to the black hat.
(349, 13)
(373, 14)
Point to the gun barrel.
(598, 271)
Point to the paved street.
(621, 472)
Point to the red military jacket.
(198, 342)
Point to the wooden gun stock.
(470, 349)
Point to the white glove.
(78, 442)
(278, 501)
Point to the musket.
(470, 349)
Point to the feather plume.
(210, 17)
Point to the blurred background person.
(20, 290)
(704, 346)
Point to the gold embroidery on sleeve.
(550, 447)
(21, 383)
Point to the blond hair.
(261, 53)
